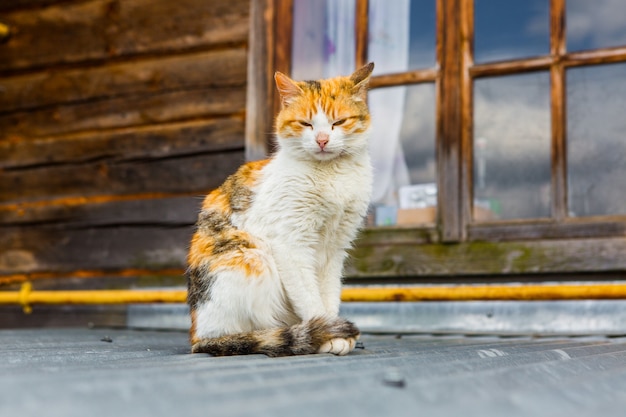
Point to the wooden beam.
(404, 78)
(558, 112)
(375, 259)
(260, 92)
(449, 121)
(361, 33)
(467, 115)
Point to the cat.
(266, 260)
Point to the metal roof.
(104, 372)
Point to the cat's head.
(324, 119)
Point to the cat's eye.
(305, 124)
(339, 122)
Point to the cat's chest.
(317, 194)
(336, 190)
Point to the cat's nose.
(322, 139)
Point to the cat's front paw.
(338, 346)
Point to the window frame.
(584, 241)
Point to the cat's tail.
(318, 335)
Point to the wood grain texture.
(61, 248)
(260, 92)
(404, 78)
(361, 32)
(449, 123)
(203, 70)
(467, 114)
(194, 172)
(559, 210)
(116, 117)
(141, 110)
(98, 30)
(569, 228)
(115, 145)
(101, 211)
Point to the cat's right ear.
(287, 88)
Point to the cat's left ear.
(287, 87)
(361, 80)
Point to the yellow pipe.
(26, 297)
(487, 292)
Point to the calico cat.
(266, 260)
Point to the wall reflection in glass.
(512, 147)
(596, 136)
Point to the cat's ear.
(361, 80)
(287, 88)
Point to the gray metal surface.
(103, 372)
(579, 317)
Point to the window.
(503, 124)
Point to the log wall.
(116, 117)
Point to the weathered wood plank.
(570, 228)
(449, 125)
(181, 174)
(138, 110)
(489, 258)
(260, 93)
(61, 248)
(165, 211)
(100, 29)
(224, 68)
(25, 4)
(170, 140)
(48, 248)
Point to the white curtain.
(389, 49)
(323, 42)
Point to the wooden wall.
(116, 117)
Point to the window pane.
(401, 35)
(512, 147)
(596, 140)
(511, 29)
(402, 146)
(323, 39)
(595, 24)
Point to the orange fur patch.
(217, 244)
(251, 171)
(217, 200)
(241, 260)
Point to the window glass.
(596, 140)
(595, 24)
(512, 175)
(323, 39)
(511, 29)
(402, 146)
(401, 35)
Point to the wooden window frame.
(459, 246)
